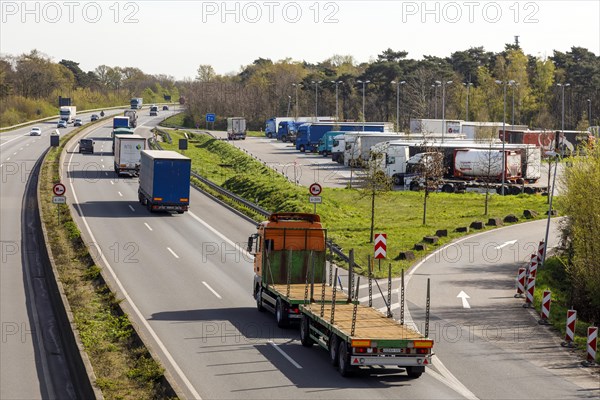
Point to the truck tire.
(333, 349)
(259, 301)
(280, 316)
(305, 338)
(448, 188)
(515, 190)
(414, 372)
(396, 179)
(302, 148)
(343, 359)
(269, 135)
(414, 186)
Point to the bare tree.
(375, 183)
(429, 172)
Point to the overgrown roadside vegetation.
(123, 366)
(345, 212)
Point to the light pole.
(316, 83)
(551, 195)
(364, 83)
(289, 104)
(504, 84)
(562, 85)
(398, 83)
(435, 86)
(590, 111)
(296, 85)
(443, 105)
(468, 85)
(337, 114)
(513, 84)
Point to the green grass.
(552, 276)
(174, 120)
(346, 212)
(255, 133)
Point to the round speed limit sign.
(315, 189)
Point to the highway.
(32, 365)
(186, 284)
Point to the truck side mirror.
(250, 243)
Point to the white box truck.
(68, 113)
(236, 128)
(128, 150)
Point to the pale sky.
(174, 37)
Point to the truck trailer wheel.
(305, 332)
(343, 359)
(448, 188)
(302, 148)
(259, 301)
(414, 372)
(333, 349)
(280, 316)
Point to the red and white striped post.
(533, 265)
(592, 342)
(521, 282)
(540, 252)
(570, 333)
(529, 292)
(545, 313)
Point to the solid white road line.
(216, 232)
(172, 252)
(148, 226)
(11, 140)
(130, 301)
(290, 359)
(212, 290)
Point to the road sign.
(315, 189)
(380, 245)
(315, 199)
(59, 189)
(210, 117)
(59, 199)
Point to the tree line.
(470, 85)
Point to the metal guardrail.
(334, 248)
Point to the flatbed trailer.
(356, 336)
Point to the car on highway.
(94, 117)
(35, 131)
(165, 108)
(78, 122)
(86, 146)
(61, 124)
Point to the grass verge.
(346, 212)
(553, 277)
(123, 366)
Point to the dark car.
(86, 146)
(94, 117)
(165, 108)
(78, 122)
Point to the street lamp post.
(398, 83)
(289, 104)
(435, 97)
(364, 83)
(296, 85)
(504, 84)
(551, 195)
(337, 114)
(468, 85)
(562, 85)
(513, 84)
(443, 105)
(316, 83)
(590, 111)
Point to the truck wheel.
(269, 135)
(414, 372)
(343, 359)
(302, 148)
(515, 190)
(396, 179)
(333, 349)
(280, 316)
(305, 338)
(259, 301)
(448, 188)
(414, 186)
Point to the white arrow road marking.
(290, 359)
(212, 290)
(506, 244)
(464, 298)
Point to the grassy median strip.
(123, 366)
(346, 212)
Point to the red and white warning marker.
(545, 313)
(529, 292)
(380, 245)
(533, 265)
(592, 343)
(570, 333)
(540, 252)
(521, 282)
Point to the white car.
(35, 131)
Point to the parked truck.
(132, 115)
(128, 149)
(290, 281)
(236, 128)
(272, 124)
(164, 181)
(136, 103)
(309, 134)
(287, 131)
(337, 149)
(325, 146)
(68, 113)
